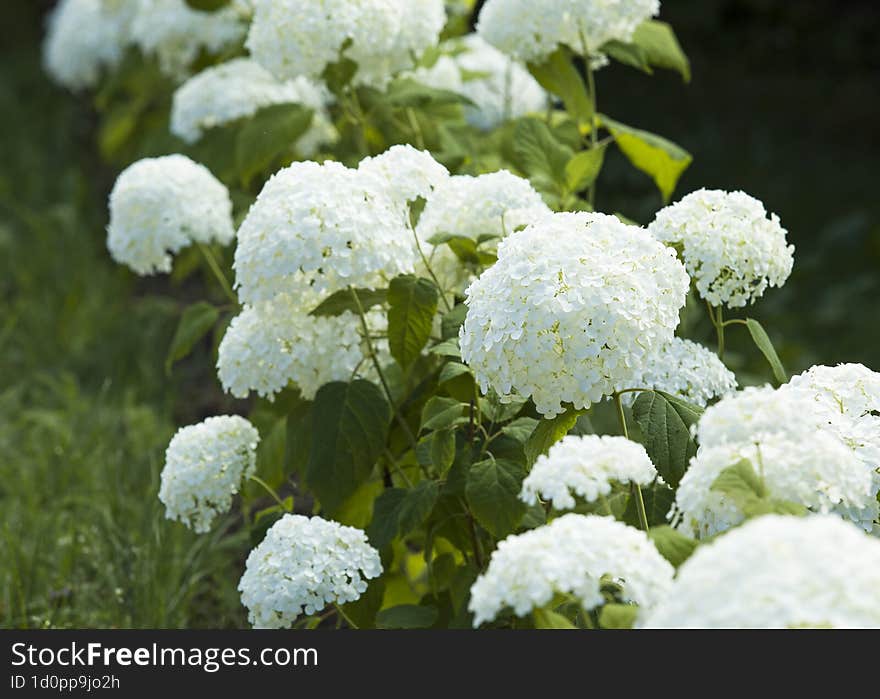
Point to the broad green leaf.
(663, 160)
(270, 454)
(357, 510)
(548, 619)
(548, 432)
(299, 437)
(349, 425)
(559, 76)
(412, 303)
(362, 612)
(267, 136)
(406, 616)
(520, 429)
(343, 300)
(447, 348)
(661, 48)
(674, 546)
(337, 76)
(417, 505)
(442, 450)
(658, 498)
(618, 616)
(665, 421)
(441, 412)
(196, 321)
(763, 343)
(386, 517)
(628, 54)
(748, 492)
(451, 370)
(540, 155)
(451, 322)
(406, 92)
(207, 5)
(492, 492)
(583, 169)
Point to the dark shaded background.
(784, 104)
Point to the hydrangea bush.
(473, 398)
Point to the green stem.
(271, 491)
(218, 273)
(360, 120)
(428, 268)
(417, 130)
(345, 616)
(375, 359)
(635, 489)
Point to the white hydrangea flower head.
(492, 204)
(303, 565)
(850, 389)
(302, 37)
(84, 38)
(205, 465)
(274, 343)
(729, 246)
(571, 309)
(587, 466)
(239, 88)
(318, 228)
(687, 369)
(817, 471)
(408, 173)
(159, 206)
(570, 555)
(176, 33)
(500, 88)
(777, 572)
(530, 30)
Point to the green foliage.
(269, 138)
(344, 300)
(618, 616)
(559, 76)
(746, 489)
(763, 343)
(548, 432)
(665, 421)
(406, 616)
(195, 322)
(653, 45)
(349, 425)
(674, 546)
(412, 303)
(492, 491)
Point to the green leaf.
(442, 450)
(559, 76)
(412, 303)
(451, 322)
(628, 54)
(658, 498)
(665, 421)
(548, 432)
(267, 136)
(661, 48)
(540, 155)
(406, 92)
(740, 483)
(548, 619)
(270, 453)
(406, 616)
(674, 546)
(583, 169)
(417, 505)
(196, 321)
(362, 612)
(492, 492)
(349, 425)
(441, 412)
(663, 160)
(520, 429)
(343, 300)
(207, 5)
(338, 75)
(447, 348)
(763, 343)
(618, 616)
(451, 370)
(386, 517)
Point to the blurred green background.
(784, 104)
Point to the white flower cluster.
(176, 33)
(159, 206)
(729, 246)
(302, 37)
(489, 205)
(571, 555)
(273, 343)
(687, 369)
(530, 30)
(571, 310)
(303, 565)
(807, 449)
(84, 38)
(204, 468)
(587, 466)
(817, 471)
(500, 88)
(318, 228)
(238, 89)
(407, 173)
(777, 572)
